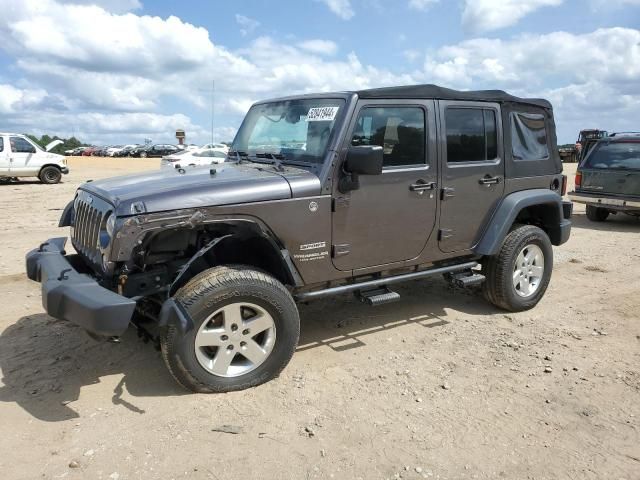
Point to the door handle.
(489, 180)
(421, 186)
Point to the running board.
(378, 296)
(379, 282)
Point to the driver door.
(20, 156)
(4, 156)
(390, 217)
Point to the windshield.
(293, 130)
(618, 155)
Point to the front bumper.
(76, 297)
(612, 203)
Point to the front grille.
(88, 219)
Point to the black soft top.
(441, 93)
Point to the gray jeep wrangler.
(320, 195)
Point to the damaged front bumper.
(76, 297)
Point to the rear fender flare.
(508, 211)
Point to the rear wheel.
(143, 154)
(245, 330)
(50, 175)
(518, 276)
(597, 214)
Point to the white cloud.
(342, 8)
(247, 25)
(321, 47)
(422, 4)
(486, 15)
(114, 6)
(553, 66)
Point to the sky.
(122, 71)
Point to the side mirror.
(361, 160)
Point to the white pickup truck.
(20, 157)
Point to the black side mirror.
(361, 160)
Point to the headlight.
(111, 224)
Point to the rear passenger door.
(472, 173)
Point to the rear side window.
(400, 131)
(20, 145)
(615, 156)
(472, 135)
(528, 136)
(1, 144)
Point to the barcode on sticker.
(322, 114)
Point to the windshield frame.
(320, 167)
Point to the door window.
(20, 145)
(471, 135)
(400, 131)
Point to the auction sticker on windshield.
(322, 114)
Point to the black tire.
(499, 269)
(50, 175)
(206, 294)
(597, 214)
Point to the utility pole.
(213, 96)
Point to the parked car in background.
(125, 151)
(608, 179)
(190, 158)
(111, 151)
(88, 152)
(215, 146)
(158, 150)
(20, 157)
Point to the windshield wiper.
(238, 155)
(276, 157)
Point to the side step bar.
(378, 296)
(379, 282)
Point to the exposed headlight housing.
(110, 226)
(106, 232)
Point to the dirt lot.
(439, 385)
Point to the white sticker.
(322, 114)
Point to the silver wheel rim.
(235, 339)
(528, 270)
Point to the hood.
(53, 144)
(168, 189)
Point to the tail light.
(578, 179)
(564, 185)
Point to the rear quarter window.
(614, 156)
(528, 137)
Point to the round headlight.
(111, 225)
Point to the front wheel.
(50, 175)
(143, 154)
(245, 330)
(518, 276)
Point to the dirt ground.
(439, 385)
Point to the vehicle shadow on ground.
(343, 323)
(614, 223)
(46, 362)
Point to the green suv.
(608, 179)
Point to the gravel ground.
(439, 385)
